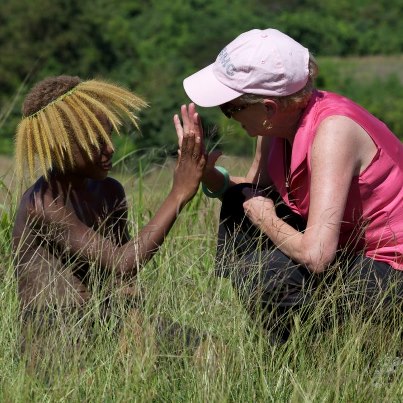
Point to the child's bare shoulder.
(112, 184)
(31, 206)
(39, 190)
(112, 189)
(110, 193)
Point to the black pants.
(273, 286)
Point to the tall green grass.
(132, 357)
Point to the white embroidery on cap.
(225, 61)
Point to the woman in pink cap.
(325, 189)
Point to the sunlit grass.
(143, 355)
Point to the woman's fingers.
(179, 130)
(187, 124)
(212, 158)
(190, 133)
(185, 118)
(188, 117)
(199, 129)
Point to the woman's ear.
(271, 107)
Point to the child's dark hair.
(47, 91)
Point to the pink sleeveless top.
(373, 218)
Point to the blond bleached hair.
(47, 132)
(298, 100)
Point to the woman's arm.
(77, 238)
(336, 157)
(258, 173)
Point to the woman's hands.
(192, 122)
(191, 154)
(258, 209)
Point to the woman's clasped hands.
(258, 209)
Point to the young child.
(71, 225)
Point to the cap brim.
(204, 89)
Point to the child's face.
(101, 162)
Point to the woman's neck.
(290, 124)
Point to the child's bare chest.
(91, 205)
(94, 211)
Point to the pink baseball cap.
(262, 62)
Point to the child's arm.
(77, 238)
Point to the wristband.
(224, 187)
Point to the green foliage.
(381, 94)
(386, 105)
(150, 46)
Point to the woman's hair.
(60, 111)
(297, 100)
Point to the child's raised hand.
(191, 123)
(191, 160)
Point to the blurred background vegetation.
(151, 45)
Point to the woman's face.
(250, 116)
(100, 164)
